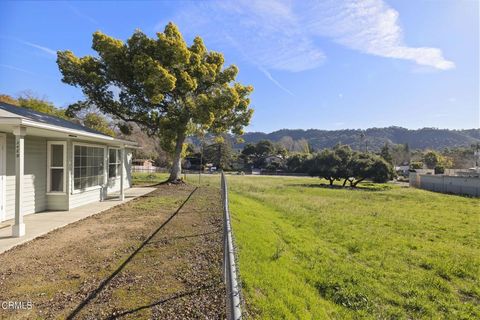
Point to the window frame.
(104, 174)
(117, 164)
(49, 167)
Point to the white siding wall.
(84, 197)
(34, 189)
(35, 198)
(114, 184)
(77, 199)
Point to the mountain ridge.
(375, 138)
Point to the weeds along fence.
(233, 294)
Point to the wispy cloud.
(283, 35)
(80, 14)
(16, 69)
(369, 26)
(267, 33)
(49, 51)
(278, 84)
(39, 47)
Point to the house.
(274, 158)
(48, 163)
(144, 163)
(403, 169)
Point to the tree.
(324, 165)
(436, 161)
(287, 142)
(98, 122)
(256, 154)
(31, 101)
(161, 84)
(431, 159)
(5, 98)
(296, 163)
(370, 166)
(416, 165)
(219, 153)
(264, 148)
(385, 153)
(352, 166)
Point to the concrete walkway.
(38, 224)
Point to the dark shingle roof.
(45, 118)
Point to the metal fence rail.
(233, 300)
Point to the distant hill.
(426, 138)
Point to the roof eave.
(74, 132)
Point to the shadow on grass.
(160, 302)
(107, 280)
(367, 186)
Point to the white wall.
(35, 174)
(446, 184)
(35, 198)
(77, 199)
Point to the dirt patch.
(103, 267)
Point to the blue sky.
(314, 64)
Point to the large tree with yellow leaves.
(162, 84)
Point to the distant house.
(145, 163)
(403, 169)
(274, 158)
(49, 163)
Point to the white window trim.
(119, 162)
(105, 165)
(49, 167)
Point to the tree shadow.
(107, 280)
(362, 187)
(186, 236)
(160, 302)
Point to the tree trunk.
(357, 182)
(176, 171)
(344, 182)
(331, 181)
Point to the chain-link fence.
(230, 272)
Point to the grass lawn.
(106, 266)
(382, 252)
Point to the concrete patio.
(43, 222)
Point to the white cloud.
(39, 47)
(31, 44)
(278, 84)
(282, 34)
(15, 68)
(80, 14)
(369, 26)
(267, 33)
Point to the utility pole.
(476, 153)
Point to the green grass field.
(383, 252)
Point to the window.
(88, 167)
(56, 167)
(114, 163)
